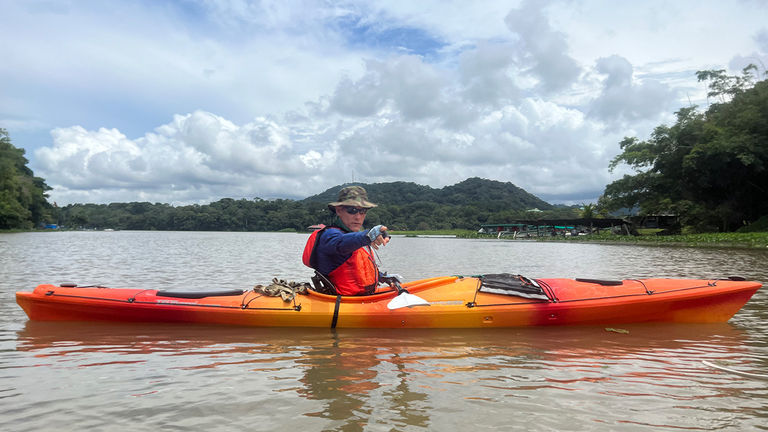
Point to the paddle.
(403, 298)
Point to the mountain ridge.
(472, 191)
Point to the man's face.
(354, 220)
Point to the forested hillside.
(473, 191)
(402, 206)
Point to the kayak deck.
(454, 302)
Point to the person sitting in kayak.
(342, 251)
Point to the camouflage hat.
(353, 196)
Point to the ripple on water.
(73, 376)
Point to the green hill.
(487, 194)
(403, 206)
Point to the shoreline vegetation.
(748, 240)
(752, 240)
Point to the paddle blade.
(406, 300)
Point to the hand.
(378, 236)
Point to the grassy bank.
(757, 240)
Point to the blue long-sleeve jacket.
(336, 246)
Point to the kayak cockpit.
(200, 294)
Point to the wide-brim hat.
(353, 196)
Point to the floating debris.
(734, 371)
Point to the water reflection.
(350, 345)
(351, 375)
(359, 379)
(351, 363)
(356, 381)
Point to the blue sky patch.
(382, 36)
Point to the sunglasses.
(355, 210)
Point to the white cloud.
(485, 73)
(544, 51)
(193, 153)
(198, 100)
(201, 152)
(149, 58)
(624, 99)
(412, 87)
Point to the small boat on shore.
(496, 300)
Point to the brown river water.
(149, 377)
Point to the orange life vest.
(309, 256)
(356, 276)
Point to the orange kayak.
(450, 302)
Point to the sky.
(191, 101)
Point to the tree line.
(402, 206)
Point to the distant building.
(664, 221)
(553, 227)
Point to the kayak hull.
(454, 302)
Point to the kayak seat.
(199, 294)
(322, 284)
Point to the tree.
(23, 202)
(725, 87)
(711, 169)
(587, 211)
